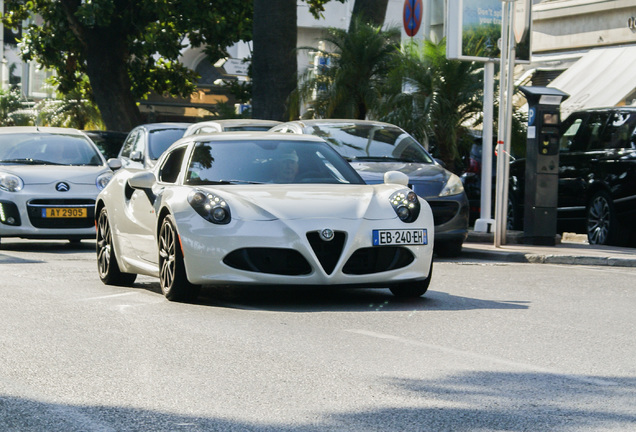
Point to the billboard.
(473, 29)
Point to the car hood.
(44, 174)
(426, 179)
(302, 201)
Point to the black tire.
(602, 224)
(107, 266)
(449, 248)
(412, 289)
(172, 275)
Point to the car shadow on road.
(48, 246)
(303, 299)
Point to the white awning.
(603, 77)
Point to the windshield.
(265, 161)
(40, 148)
(371, 142)
(160, 139)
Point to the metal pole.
(485, 221)
(505, 116)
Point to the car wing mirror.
(114, 163)
(137, 156)
(396, 177)
(142, 180)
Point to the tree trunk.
(106, 69)
(274, 63)
(370, 11)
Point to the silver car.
(373, 148)
(49, 179)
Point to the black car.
(145, 143)
(597, 177)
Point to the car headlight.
(406, 205)
(453, 186)
(103, 179)
(211, 207)
(10, 182)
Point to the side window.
(619, 130)
(169, 171)
(129, 144)
(572, 127)
(594, 131)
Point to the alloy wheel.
(598, 220)
(167, 262)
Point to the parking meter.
(542, 164)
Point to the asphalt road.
(491, 347)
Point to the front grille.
(443, 211)
(327, 252)
(286, 262)
(9, 214)
(378, 259)
(35, 209)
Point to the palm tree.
(351, 85)
(441, 97)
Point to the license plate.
(64, 212)
(400, 237)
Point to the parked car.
(49, 179)
(108, 142)
(215, 210)
(597, 177)
(230, 125)
(145, 143)
(373, 148)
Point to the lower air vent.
(327, 252)
(377, 259)
(286, 262)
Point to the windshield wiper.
(29, 161)
(229, 182)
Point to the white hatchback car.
(49, 179)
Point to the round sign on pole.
(412, 16)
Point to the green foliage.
(145, 37)
(351, 85)
(10, 102)
(442, 98)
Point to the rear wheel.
(602, 224)
(107, 266)
(172, 275)
(413, 289)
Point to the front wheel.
(172, 275)
(602, 224)
(107, 266)
(413, 289)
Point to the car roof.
(318, 122)
(262, 136)
(226, 122)
(40, 129)
(164, 125)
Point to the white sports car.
(49, 179)
(261, 209)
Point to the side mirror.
(396, 177)
(137, 156)
(142, 180)
(114, 163)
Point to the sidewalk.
(572, 249)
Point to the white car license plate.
(400, 237)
